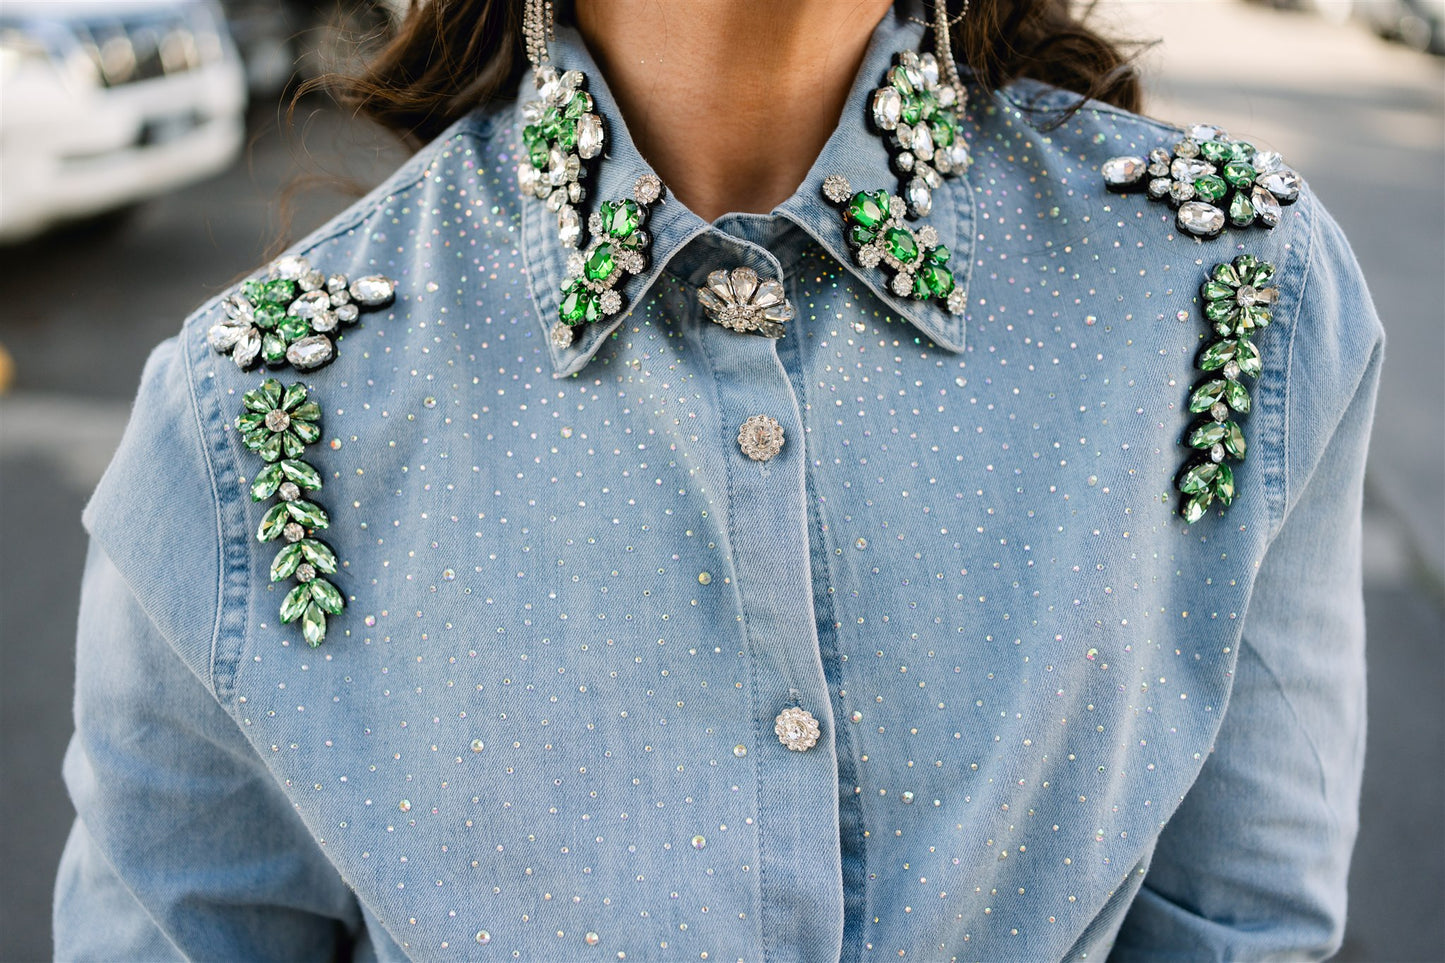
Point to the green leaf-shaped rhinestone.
(1236, 303)
(618, 249)
(277, 424)
(873, 221)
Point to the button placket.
(768, 530)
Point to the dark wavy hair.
(446, 57)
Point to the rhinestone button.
(760, 437)
(796, 729)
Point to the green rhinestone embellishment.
(278, 424)
(561, 131)
(1237, 302)
(920, 115)
(618, 249)
(875, 226)
(292, 316)
(1212, 180)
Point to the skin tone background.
(779, 73)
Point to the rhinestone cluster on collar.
(618, 250)
(561, 132)
(879, 235)
(1211, 179)
(918, 115)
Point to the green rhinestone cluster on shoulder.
(919, 117)
(618, 250)
(1237, 299)
(278, 424)
(878, 234)
(1211, 179)
(561, 130)
(292, 316)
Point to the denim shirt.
(1057, 722)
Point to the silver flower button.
(796, 728)
(760, 437)
(739, 301)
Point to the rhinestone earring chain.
(537, 30)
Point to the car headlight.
(24, 51)
(19, 52)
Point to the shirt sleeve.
(184, 846)
(1253, 865)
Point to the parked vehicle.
(104, 103)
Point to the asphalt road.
(1363, 120)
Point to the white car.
(104, 103)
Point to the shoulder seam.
(1277, 519)
(185, 359)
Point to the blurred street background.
(82, 304)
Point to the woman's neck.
(730, 101)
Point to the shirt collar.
(853, 150)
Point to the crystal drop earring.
(561, 130)
(919, 112)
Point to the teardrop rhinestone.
(928, 67)
(1203, 132)
(1265, 206)
(569, 226)
(1266, 161)
(920, 198)
(312, 352)
(223, 337)
(923, 142)
(1284, 184)
(887, 108)
(309, 305)
(1123, 171)
(1200, 219)
(590, 136)
(373, 290)
(744, 283)
(769, 293)
(291, 267)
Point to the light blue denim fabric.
(1057, 722)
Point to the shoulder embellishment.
(278, 424)
(1211, 179)
(291, 317)
(1236, 300)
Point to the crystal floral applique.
(739, 301)
(1237, 304)
(1211, 179)
(919, 117)
(878, 234)
(278, 424)
(293, 315)
(561, 131)
(618, 249)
